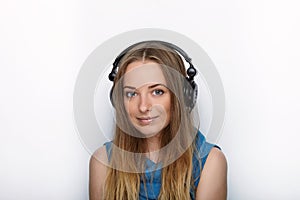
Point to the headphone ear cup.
(194, 95)
(190, 92)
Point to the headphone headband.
(191, 72)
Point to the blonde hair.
(176, 177)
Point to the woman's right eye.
(130, 94)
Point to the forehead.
(140, 73)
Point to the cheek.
(129, 107)
(168, 103)
(168, 111)
(167, 107)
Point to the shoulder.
(99, 160)
(213, 182)
(100, 155)
(97, 173)
(216, 158)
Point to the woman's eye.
(158, 92)
(130, 94)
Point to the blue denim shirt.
(153, 170)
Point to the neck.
(153, 143)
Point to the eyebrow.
(151, 86)
(155, 85)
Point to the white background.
(253, 43)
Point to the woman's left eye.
(158, 92)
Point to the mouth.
(146, 120)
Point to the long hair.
(126, 171)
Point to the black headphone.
(190, 91)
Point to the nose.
(144, 103)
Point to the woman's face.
(146, 97)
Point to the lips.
(146, 120)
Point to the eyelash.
(130, 94)
(161, 92)
(156, 92)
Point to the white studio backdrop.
(253, 44)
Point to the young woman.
(157, 151)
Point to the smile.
(146, 120)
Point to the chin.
(148, 131)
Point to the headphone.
(190, 90)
